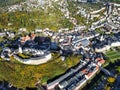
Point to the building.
(85, 1)
(93, 1)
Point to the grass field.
(113, 55)
(22, 76)
(118, 69)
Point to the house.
(100, 61)
(24, 39)
(2, 34)
(53, 46)
(39, 30)
(93, 1)
(10, 34)
(85, 42)
(83, 1)
(6, 53)
(107, 27)
(22, 29)
(32, 36)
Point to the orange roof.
(23, 39)
(98, 59)
(27, 38)
(97, 67)
(102, 61)
(33, 36)
(84, 70)
(89, 74)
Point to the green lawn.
(113, 55)
(118, 68)
(22, 76)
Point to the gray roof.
(85, 42)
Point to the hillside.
(23, 76)
(32, 16)
(9, 2)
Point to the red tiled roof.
(84, 70)
(26, 38)
(97, 67)
(89, 74)
(101, 61)
(33, 36)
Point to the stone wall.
(34, 61)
